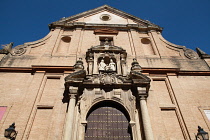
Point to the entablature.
(84, 25)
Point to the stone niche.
(106, 59)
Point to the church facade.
(104, 75)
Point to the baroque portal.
(106, 95)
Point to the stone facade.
(104, 59)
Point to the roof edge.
(109, 8)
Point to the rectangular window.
(106, 41)
(2, 111)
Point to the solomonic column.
(145, 114)
(70, 114)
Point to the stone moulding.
(102, 26)
(171, 44)
(21, 49)
(202, 54)
(69, 69)
(191, 54)
(33, 69)
(70, 22)
(106, 31)
(108, 8)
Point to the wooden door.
(107, 123)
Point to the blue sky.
(185, 22)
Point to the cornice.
(108, 8)
(33, 69)
(84, 25)
(176, 71)
(63, 69)
(202, 54)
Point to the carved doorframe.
(87, 101)
(94, 86)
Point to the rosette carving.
(191, 54)
(19, 50)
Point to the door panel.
(107, 123)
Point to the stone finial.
(135, 66)
(7, 48)
(79, 65)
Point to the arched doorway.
(108, 121)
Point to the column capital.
(73, 90)
(142, 92)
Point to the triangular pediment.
(104, 15)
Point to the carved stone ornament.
(19, 50)
(79, 65)
(7, 48)
(113, 49)
(106, 31)
(107, 79)
(102, 66)
(191, 54)
(135, 66)
(76, 77)
(107, 68)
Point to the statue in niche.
(102, 65)
(112, 66)
(106, 44)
